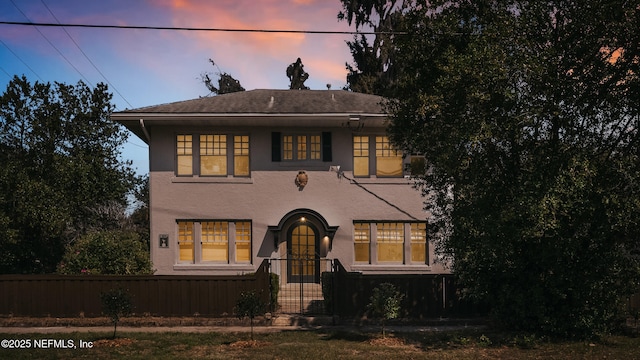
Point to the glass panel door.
(303, 260)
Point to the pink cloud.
(249, 54)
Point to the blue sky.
(149, 67)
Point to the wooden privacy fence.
(163, 295)
(425, 295)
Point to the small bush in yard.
(249, 305)
(385, 303)
(116, 303)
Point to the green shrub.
(249, 305)
(385, 303)
(116, 303)
(113, 252)
(327, 291)
(274, 288)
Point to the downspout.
(144, 130)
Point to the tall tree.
(226, 83)
(374, 69)
(528, 116)
(59, 163)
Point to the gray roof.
(264, 101)
(284, 108)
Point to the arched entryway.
(308, 237)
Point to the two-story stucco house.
(303, 175)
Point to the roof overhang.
(140, 122)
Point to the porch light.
(303, 219)
(325, 246)
(354, 123)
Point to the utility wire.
(325, 32)
(53, 46)
(85, 55)
(5, 71)
(22, 61)
(341, 174)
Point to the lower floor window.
(390, 242)
(214, 241)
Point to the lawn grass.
(325, 344)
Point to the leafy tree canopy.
(374, 69)
(528, 116)
(59, 164)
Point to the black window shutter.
(326, 146)
(275, 146)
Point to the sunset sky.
(149, 67)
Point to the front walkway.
(280, 323)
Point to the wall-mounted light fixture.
(336, 169)
(354, 123)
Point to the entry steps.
(301, 298)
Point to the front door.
(302, 249)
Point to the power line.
(324, 32)
(5, 71)
(22, 61)
(341, 174)
(53, 46)
(85, 55)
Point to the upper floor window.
(360, 156)
(184, 151)
(417, 166)
(301, 147)
(213, 154)
(241, 155)
(388, 161)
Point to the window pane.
(185, 165)
(361, 238)
(213, 155)
(388, 160)
(302, 147)
(287, 147)
(185, 240)
(184, 153)
(213, 165)
(241, 165)
(390, 242)
(243, 242)
(215, 241)
(241, 155)
(361, 156)
(315, 147)
(419, 243)
(389, 166)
